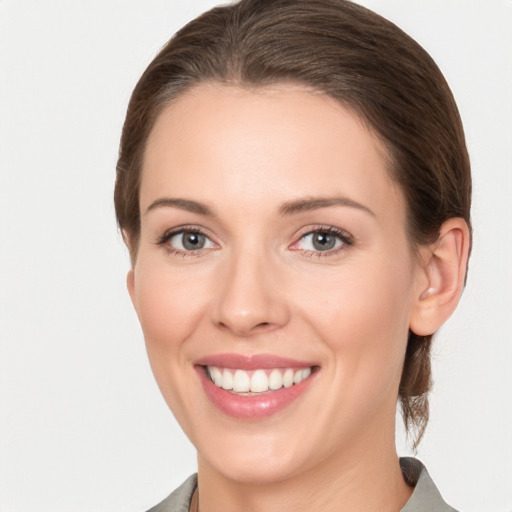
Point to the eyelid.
(187, 228)
(346, 238)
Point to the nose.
(250, 298)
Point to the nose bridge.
(249, 298)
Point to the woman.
(294, 189)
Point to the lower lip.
(251, 406)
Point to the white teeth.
(259, 382)
(297, 377)
(241, 382)
(288, 378)
(227, 380)
(275, 379)
(216, 376)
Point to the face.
(274, 280)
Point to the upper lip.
(251, 361)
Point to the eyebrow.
(182, 204)
(315, 203)
(287, 208)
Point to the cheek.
(362, 314)
(363, 324)
(169, 305)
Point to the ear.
(130, 284)
(442, 274)
(130, 277)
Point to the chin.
(255, 459)
(255, 471)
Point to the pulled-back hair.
(358, 58)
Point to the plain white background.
(83, 427)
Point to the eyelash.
(345, 238)
(346, 241)
(168, 235)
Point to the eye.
(327, 240)
(189, 241)
(320, 241)
(186, 241)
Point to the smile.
(256, 381)
(254, 387)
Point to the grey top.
(425, 498)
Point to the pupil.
(193, 241)
(323, 241)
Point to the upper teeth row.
(241, 382)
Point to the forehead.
(267, 145)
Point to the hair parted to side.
(352, 55)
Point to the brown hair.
(356, 57)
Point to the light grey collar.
(425, 498)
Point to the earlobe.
(130, 277)
(130, 285)
(443, 269)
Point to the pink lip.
(256, 406)
(252, 362)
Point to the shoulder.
(179, 499)
(426, 497)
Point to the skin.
(259, 286)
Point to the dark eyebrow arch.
(182, 204)
(315, 203)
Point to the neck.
(362, 478)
